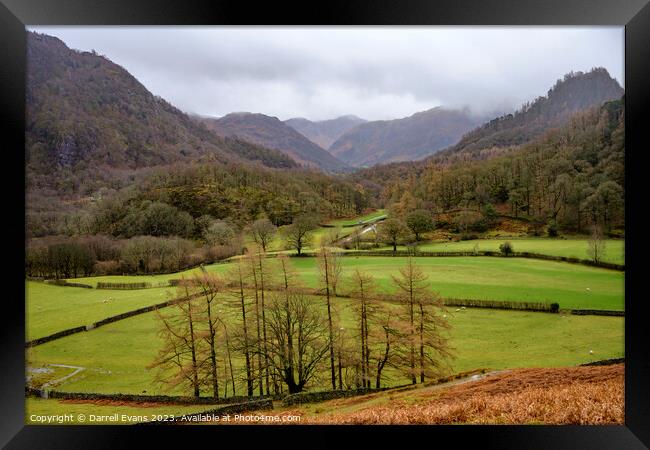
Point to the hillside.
(324, 132)
(94, 133)
(575, 92)
(407, 139)
(88, 118)
(572, 177)
(565, 395)
(271, 132)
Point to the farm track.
(59, 380)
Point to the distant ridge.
(574, 92)
(324, 132)
(88, 116)
(271, 132)
(407, 139)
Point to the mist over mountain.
(407, 139)
(87, 116)
(324, 132)
(271, 132)
(574, 92)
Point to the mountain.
(407, 139)
(572, 176)
(576, 91)
(324, 132)
(87, 117)
(271, 132)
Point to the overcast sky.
(372, 72)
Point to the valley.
(446, 266)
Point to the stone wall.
(314, 397)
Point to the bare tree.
(392, 231)
(238, 278)
(596, 248)
(433, 341)
(298, 233)
(262, 272)
(363, 290)
(262, 231)
(208, 286)
(423, 331)
(229, 356)
(252, 266)
(385, 336)
(296, 318)
(178, 362)
(329, 266)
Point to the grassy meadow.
(570, 247)
(52, 308)
(115, 356)
(573, 286)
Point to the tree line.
(570, 179)
(71, 257)
(177, 199)
(254, 330)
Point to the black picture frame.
(633, 14)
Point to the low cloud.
(372, 72)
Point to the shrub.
(555, 307)
(468, 237)
(480, 226)
(219, 252)
(412, 248)
(366, 245)
(419, 221)
(506, 248)
(107, 268)
(552, 229)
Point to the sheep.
(457, 309)
(591, 352)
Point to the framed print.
(380, 221)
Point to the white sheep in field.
(591, 352)
(457, 309)
(588, 289)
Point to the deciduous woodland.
(180, 260)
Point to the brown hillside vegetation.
(570, 395)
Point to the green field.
(572, 247)
(115, 356)
(316, 236)
(358, 220)
(54, 308)
(492, 278)
(573, 286)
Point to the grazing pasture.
(573, 286)
(52, 308)
(115, 356)
(570, 247)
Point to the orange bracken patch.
(572, 395)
